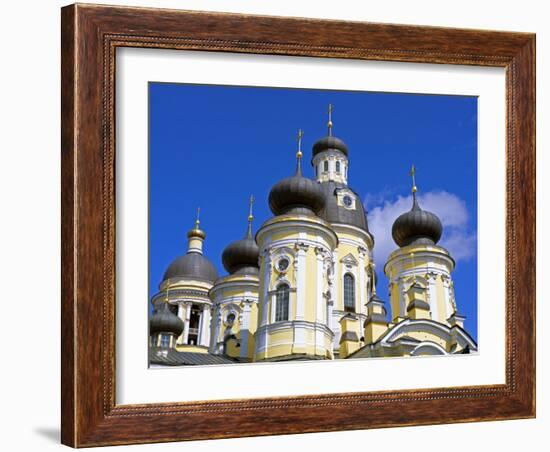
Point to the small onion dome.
(196, 232)
(242, 255)
(164, 321)
(416, 226)
(296, 194)
(193, 266)
(330, 143)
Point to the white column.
(329, 313)
(403, 308)
(264, 302)
(319, 309)
(273, 306)
(432, 291)
(181, 315)
(362, 280)
(214, 338)
(447, 294)
(301, 281)
(204, 337)
(186, 323)
(201, 323)
(336, 276)
(245, 325)
(330, 300)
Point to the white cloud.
(451, 210)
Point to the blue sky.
(214, 146)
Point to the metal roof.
(334, 213)
(172, 357)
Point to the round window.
(230, 319)
(347, 200)
(283, 264)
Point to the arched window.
(349, 293)
(281, 303)
(337, 166)
(325, 165)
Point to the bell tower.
(419, 271)
(330, 159)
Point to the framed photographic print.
(281, 225)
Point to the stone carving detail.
(349, 260)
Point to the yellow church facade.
(304, 286)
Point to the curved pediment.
(429, 331)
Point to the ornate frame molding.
(90, 36)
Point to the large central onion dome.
(242, 255)
(164, 321)
(296, 194)
(416, 226)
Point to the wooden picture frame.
(90, 36)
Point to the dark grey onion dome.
(330, 143)
(242, 255)
(416, 226)
(334, 213)
(192, 265)
(165, 321)
(296, 194)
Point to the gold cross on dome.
(299, 139)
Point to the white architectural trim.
(301, 281)
(432, 294)
(430, 346)
(319, 309)
(264, 302)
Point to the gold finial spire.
(299, 153)
(412, 173)
(329, 124)
(197, 231)
(250, 217)
(250, 204)
(198, 221)
(299, 140)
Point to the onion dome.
(165, 321)
(242, 255)
(416, 226)
(330, 143)
(296, 194)
(193, 265)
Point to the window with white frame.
(349, 293)
(281, 303)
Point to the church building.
(304, 286)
